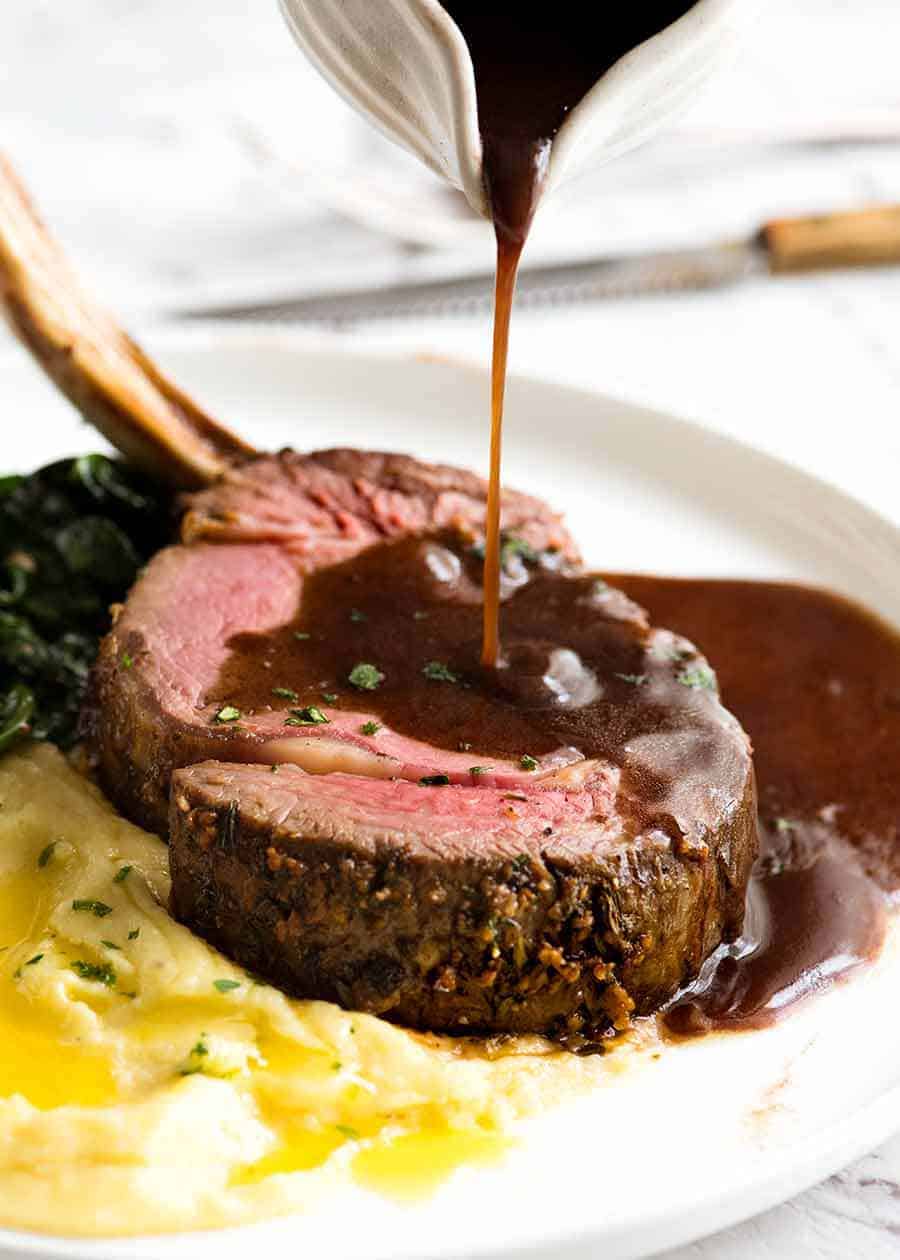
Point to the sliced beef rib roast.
(549, 849)
(317, 837)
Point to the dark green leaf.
(96, 546)
(73, 537)
(16, 713)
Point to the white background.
(185, 154)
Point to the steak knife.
(781, 247)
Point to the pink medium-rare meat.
(343, 855)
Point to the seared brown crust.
(371, 495)
(550, 941)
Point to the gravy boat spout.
(406, 66)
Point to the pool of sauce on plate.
(533, 64)
(815, 681)
(813, 678)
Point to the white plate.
(712, 1131)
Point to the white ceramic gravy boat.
(406, 66)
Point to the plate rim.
(812, 1158)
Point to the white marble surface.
(184, 154)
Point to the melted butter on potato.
(147, 1084)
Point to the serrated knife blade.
(858, 238)
(555, 284)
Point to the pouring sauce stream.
(530, 73)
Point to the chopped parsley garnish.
(435, 780)
(356, 615)
(347, 1131)
(36, 959)
(302, 635)
(199, 1051)
(226, 986)
(370, 728)
(310, 716)
(46, 853)
(421, 615)
(91, 906)
(134, 934)
(228, 713)
(330, 697)
(122, 874)
(437, 671)
(126, 660)
(336, 1066)
(365, 677)
(785, 824)
(599, 587)
(476, 770)
(513, 546)
(110, 945)
(102, 973)
(527, 762)
(284, 693)
(701, 679)
(636, 680)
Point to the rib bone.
(96, 365)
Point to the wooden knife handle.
(864, 238)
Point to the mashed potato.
(147, 1084)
